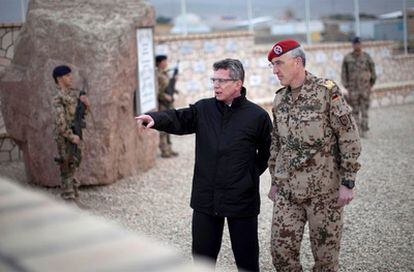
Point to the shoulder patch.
(329, 84)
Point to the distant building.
(391, 27)
(297, 29)
(344, 30)
(189, 23)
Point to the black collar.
(236, 102)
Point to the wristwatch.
(350, 184)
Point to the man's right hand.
(144, 121)
(272, 193)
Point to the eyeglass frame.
(222, 80)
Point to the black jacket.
(232, 149)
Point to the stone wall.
(8, 36)
(9, 150)
(197, 53)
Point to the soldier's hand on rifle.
(76, 139)
(168, 98)
(144, 121)
(84, 100)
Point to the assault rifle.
(171, 84)
(77, 125)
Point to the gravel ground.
(378, 233)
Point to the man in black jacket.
(232, 149)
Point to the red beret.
(281, 48)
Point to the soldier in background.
(165, 102)
(313, 161)
(64, 108)
(358, 76)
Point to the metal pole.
(356, 15)
(405, 27)
(307, 17)
(22, 13)
(250, 14)
(184, 16)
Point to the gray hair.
(234, 65)
(299, 52)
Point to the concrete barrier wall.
(38, 233)
(198, 52)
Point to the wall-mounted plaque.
(231, 46)
(337, 56)
(320, 57)
(199, 67)
(209, 47)
(186, 48)
(145, 95)
(161, 49)
(255, 80)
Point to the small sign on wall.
(145, 95)
(320, 57)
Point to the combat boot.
(68, 192)
(76, 185)
(68, 196)
(166, 155)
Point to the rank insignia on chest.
(329, 84)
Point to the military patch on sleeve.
(329, 84)
(335, 98)
(344, 119)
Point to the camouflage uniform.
(64, 107)
(358, 76)
(164, 104)
(315, 145)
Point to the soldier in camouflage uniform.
(358, 76)
(165, 102)
(313, 161)
(64, 107)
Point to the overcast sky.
(10, 9)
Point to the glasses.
(221, 80)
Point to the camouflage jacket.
(64, 108)
(358, 73)
(315, 141)
(163, 80)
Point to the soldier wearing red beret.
(313, 161)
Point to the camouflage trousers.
(360, 107)
(68, 166)
(165, 143)
(325, 228)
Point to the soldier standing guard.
(358, 76)
(313, 161)
(64, 107)
(165, 102)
